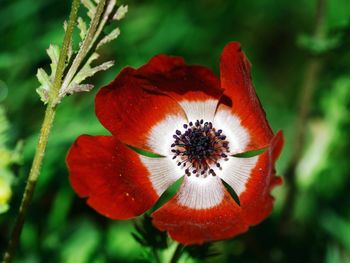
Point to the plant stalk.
(64, 52)
(155, 255)
(43, 138)
(85, 46)
(177, 253)
(31, 182)
(312, 72)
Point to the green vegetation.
(279, 39)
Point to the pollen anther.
(199, 148)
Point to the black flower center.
(199, 148)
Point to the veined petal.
(147, 108)
(252, 179)
(163, 172)
(130, 112)
(235, 75)
(172, 76)
(112, 177)
(199, 110)
(237, 135)
(194, 87)
(256, 200)
(200, 193)
(202, 211)
(160, 136)
(236, 172)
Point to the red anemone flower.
(196, 124)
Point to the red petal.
(129, 112)
(237, 83)
(227, 219)
(170, 75)
(194, 226)
(111, 176)
(256, 200)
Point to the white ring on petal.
(163, 172)
(160, 136)
(201, 193)
(199, 110)
(236, 172)
(236, 135)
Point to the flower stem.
(85, 46)
(155, 255)
(30, 185)
(177, 253)
(43, 138)
(312, 72)
(63, 54)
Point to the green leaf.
(232, 192)
(250, 154)
(202, 252)
(45, 80)
(145, 153)
(149, 236)
(108, 38)
(168, 194)
(121, 12)
(54, 53)
(46, 85)
(90, 6)
(318, 46)
(82, 27)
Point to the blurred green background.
(276, 36)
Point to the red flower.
(196, 123)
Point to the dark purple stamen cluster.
(199, 147)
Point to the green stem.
(85, 46)
(43, 138)
(30, 185)
(177, 253)
(312, 72)
(155, 255)
(64, 51)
